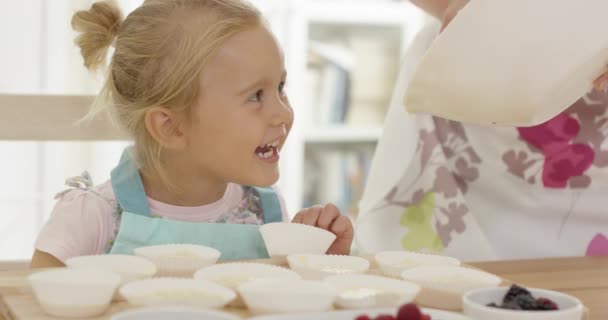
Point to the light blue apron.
(138, 228)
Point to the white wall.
(37, 55)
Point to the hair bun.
(98, 27)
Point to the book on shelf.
(331, 66)
(351, 82)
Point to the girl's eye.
(257, 97)
(282, 89)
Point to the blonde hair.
(160, 50)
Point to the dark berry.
(514, 292)
(546, 304)
(526, 302)
(409, 311)
(363, 317)
(385, 317)
(511, 305)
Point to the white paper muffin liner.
(393, 263)
(283, 239)
(234, 274)
(444, 286)
(356, 291)
(286, 295)
(177, 292)
(179, 260)
(74, 293)
(129, 267)
(318, 267)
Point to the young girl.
(199, 85)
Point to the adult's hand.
(452, 9)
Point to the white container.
(129, 268)
(318, 267)
(512, 62)
(475, 306)
(74, 293)
(444, 286)
(393, 263)
(177, 292)
(175, 313)
(287, 295)
(283, 239)
(358, 291)
(179, 260)
(232, 275)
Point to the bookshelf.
(343, 134)
(342, 57)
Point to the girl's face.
(243, 115)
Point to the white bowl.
(287, 295)
(357, 291)
(177, 292)
(283, 239)
(74, 293)
(318, 267)
(393, 263)
(179, 260)
(174, 313)
(232, 275)
(444, 286)
(475, 302)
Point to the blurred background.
(342, 57)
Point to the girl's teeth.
(272, 144)
(265, 155)
(271, 147)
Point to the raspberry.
(409, 312)
(385, 317)
(363, 317)
(425, 317)
(546, 304)
(514, 292)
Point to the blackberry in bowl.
(519, 303)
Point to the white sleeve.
(397, 146)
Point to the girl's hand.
(328, 217)
(452, 9)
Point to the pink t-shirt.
(83, 222)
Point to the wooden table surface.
(585, 278)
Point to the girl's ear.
(164, 126)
